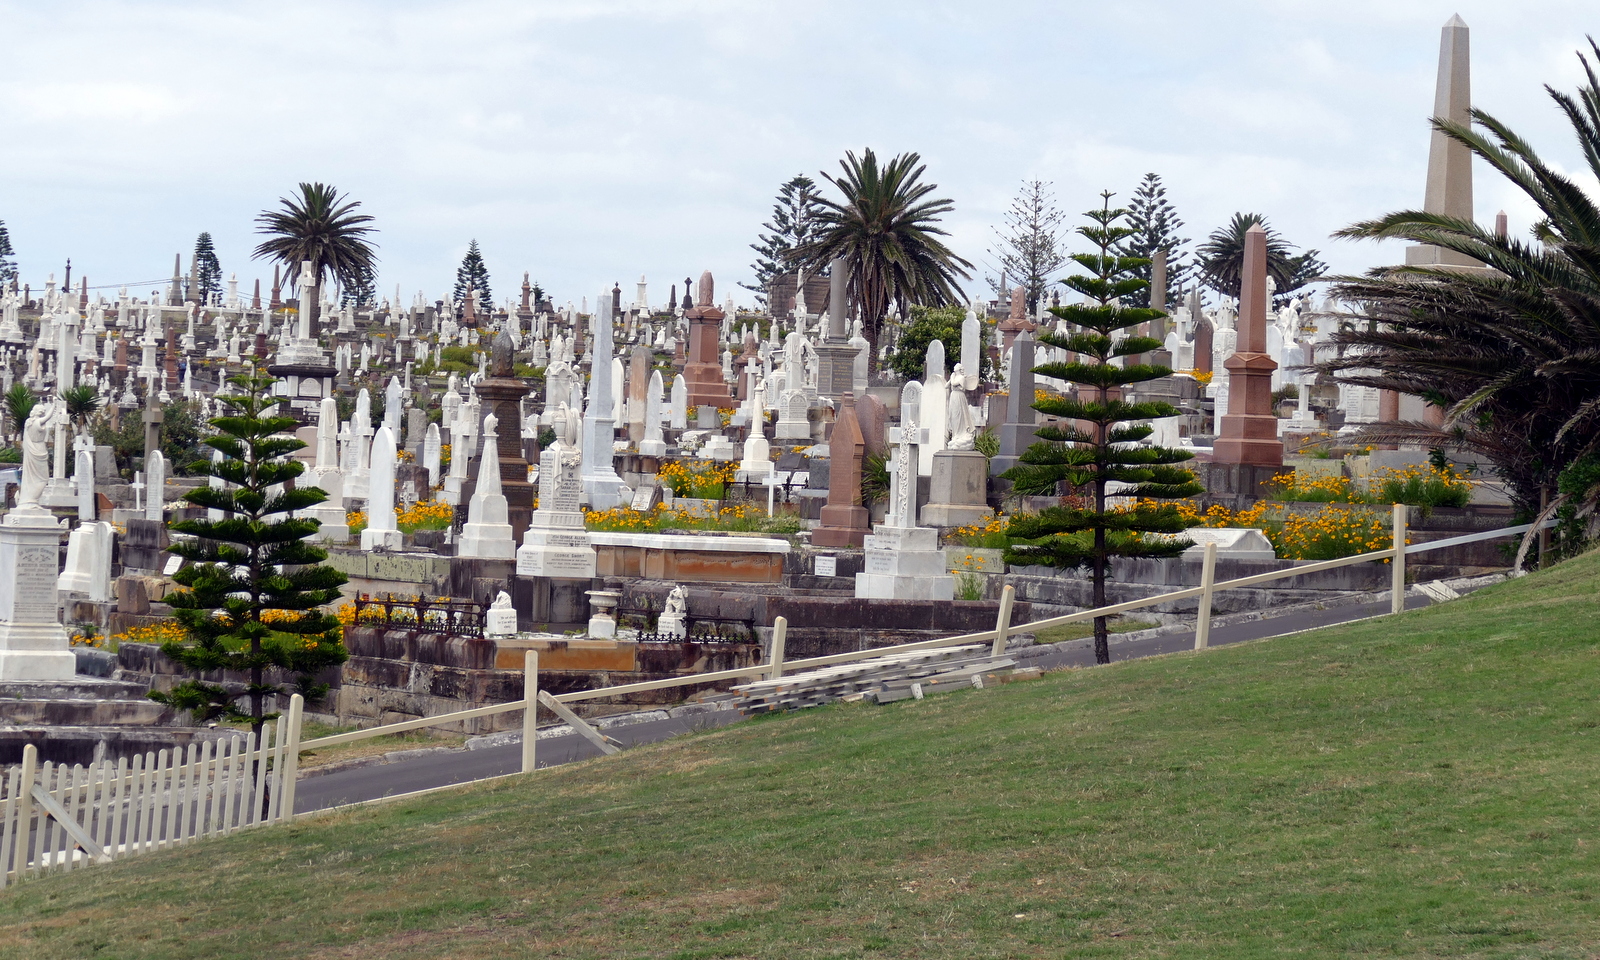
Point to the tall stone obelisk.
(1449, 162)
(1249, 431)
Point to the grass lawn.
(1420, 786)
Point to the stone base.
(559, 562)
(877, 586)
(841, 527)
(59, 492)
(333, 526)
(381, 539)
(718, 448)
(957, 490)
(954, 514)
(793, 430)
(500, 623)
(35, 652)
(488, 541)
(904, 563)
(603, 628)
(603, 493)
(671, 626)
(652, 448)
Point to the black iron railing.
(457, 618)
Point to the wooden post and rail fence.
(57, 818)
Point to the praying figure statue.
(35, 456)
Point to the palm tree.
(19, 402)
(82, 402)
(320, 225)
(1221, 258)
(885, 230)
(1509, 356)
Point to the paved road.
(441, 769)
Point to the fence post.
(1397, 583)
(1208, 579)
(780, 637)
(530, 715)
(24, 822)
(1002, 622)
(291, 758)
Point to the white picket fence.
(57, 817)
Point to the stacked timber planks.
(881, 679)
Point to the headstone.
(488, 531)
(32, 644)
(155, 466)
(83, 476)
(1017, 433)
(382, 532)
(431, 453)
(501, 618)
(903, 561)
(680, 403)
(935, 397)
(88, 567)
(654, 443)
(1248, 433)
(757, 461)
(793, 411)
(601, 485)
(844, 521)
(556, 543)
(1233, 543)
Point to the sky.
(594, 141)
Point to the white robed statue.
(35, 455)
(958, 414)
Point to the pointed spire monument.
(1449, 189)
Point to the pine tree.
(8, 266)
(254, 584)
(473, 273)
(1155, 226)
(1029, 250)
(361, 291)
(207, 270)
(794, 218)
(1097, 439)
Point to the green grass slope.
(1420, 786)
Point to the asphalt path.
(377, 780)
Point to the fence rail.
(54, 818)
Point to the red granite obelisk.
(703, 373)
(844, 519)
(1249, 431)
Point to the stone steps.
(84, 713)
(77, 688)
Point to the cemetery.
(641, 490)
(245, 523)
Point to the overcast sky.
(590, 141)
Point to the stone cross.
(903, 495)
